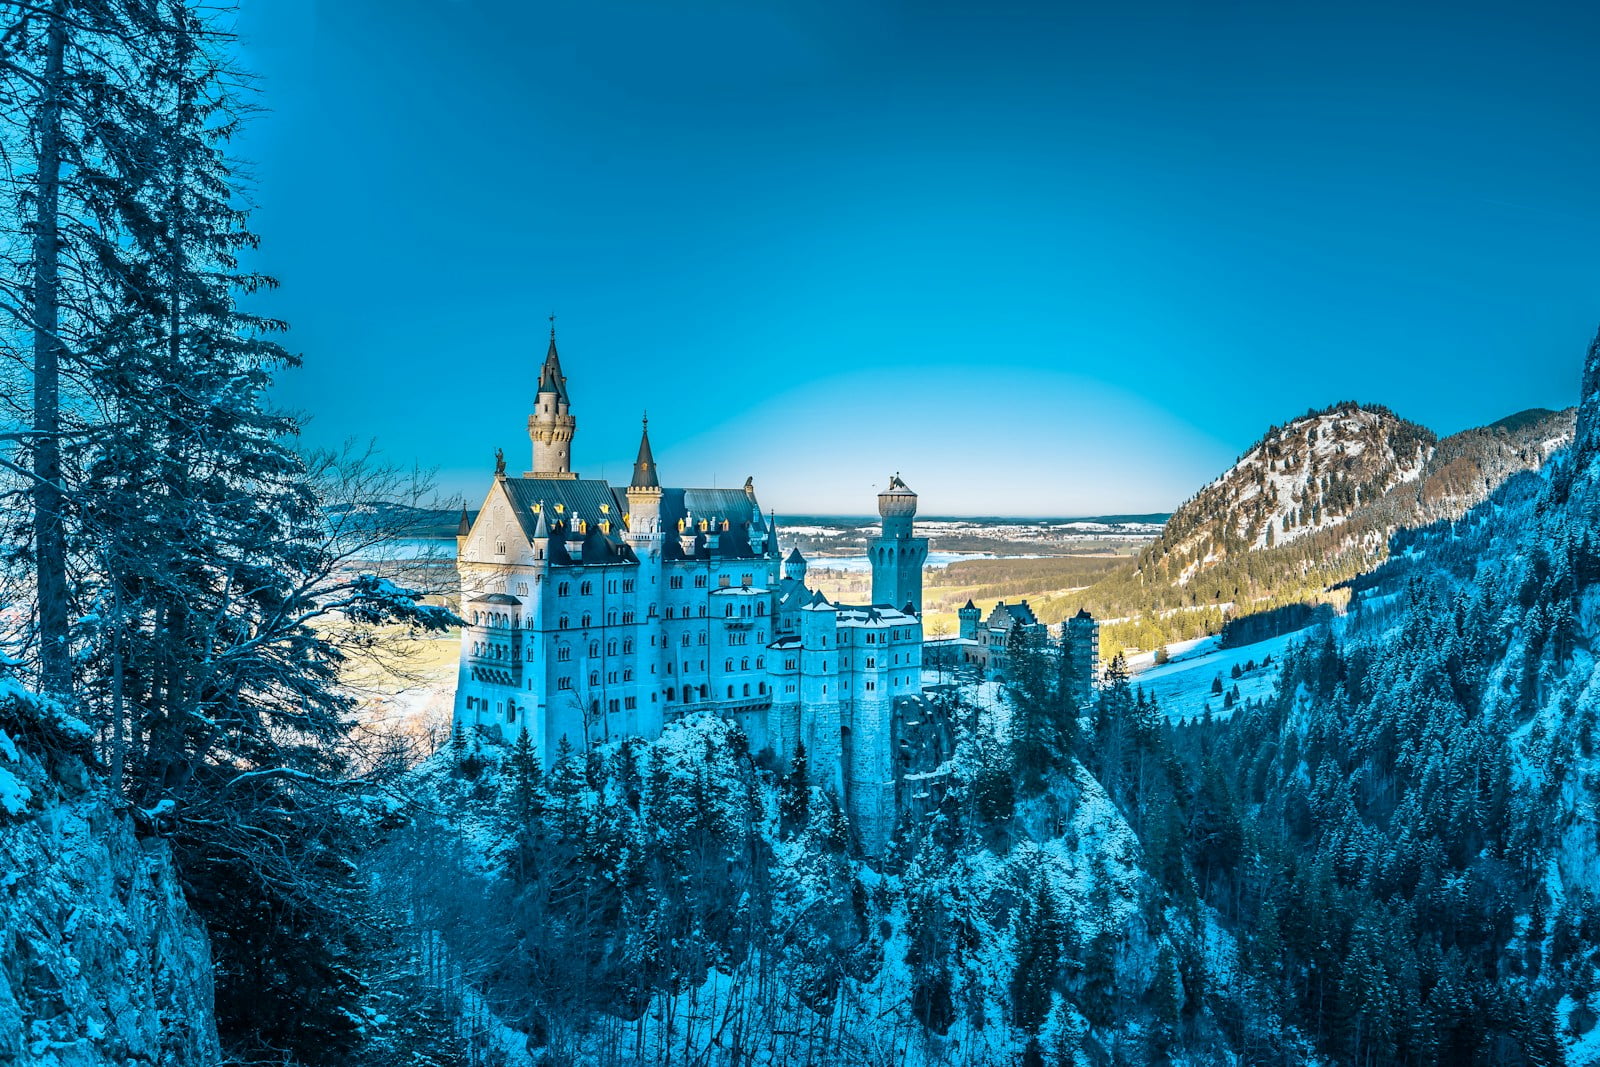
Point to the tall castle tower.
(896, 555)
(551, 425)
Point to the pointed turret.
(644, 494)
(644, 467)
(551, 380)
(552, 425)
(463, 527)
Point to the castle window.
(627, 675)
(672, 692)
(611, 648)
(522, 588)
(728, 666)
(685, 640)
(747, 689)
(677, 582)
(627, 646)
(630, 702)
(788, 664)
(705, 692)
(611, 618)
(872, 685)
(871, 662)
(761, 687)
(594, 677)
(669, 611)
(744, 664)
(563, 654)
(563, 683)
(761, 663)
(511, 711)
(745, 580)
(499, 548)
(727, 611)
(611, 678)
(562, 623)
(586, 588)
(611, 586)
(761, 635)
(699, 581)
(627, 617)
(702, 611)
(724, 580)
(563, 588)
(700, 638)
(611, 705)
(761, 609)
(627, 586)
(730, 692)
(587, 620)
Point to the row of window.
(587, 588)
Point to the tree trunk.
(50, 545)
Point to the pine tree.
(1038, 930)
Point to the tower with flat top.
(897, 555)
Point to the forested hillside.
(1311, 505)
(1408, 852)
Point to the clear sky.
(1049, 258)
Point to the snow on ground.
(1183, 685)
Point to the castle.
(596, 612)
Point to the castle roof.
(551, 380)
(1083, 613)
(795, 556)
(1005, 614)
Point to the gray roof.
(581, 500)
(734, 505)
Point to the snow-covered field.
(1183, 686)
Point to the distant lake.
(936, 560)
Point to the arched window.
(728, 666)
(594, 677)
(761, 687)
(587, 619)
(594, 649)
(511, 711)
(744, 664)
(586, 588)
(730, 692)
(564, 622)
(672, 692)
(747, 689)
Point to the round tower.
(551, 426)
(968, 614)
(795, 566)
(897, 554)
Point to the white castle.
(596, 612)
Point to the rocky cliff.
(101, 961)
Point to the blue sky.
(1042, 259)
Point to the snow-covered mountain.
(1348, 476)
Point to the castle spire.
(644, 467)
(551, 380)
